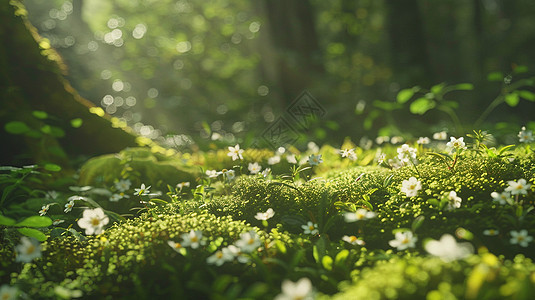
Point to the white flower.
(353, 240)
(406, 153)
(300, 290)
(525, 136)
(349, 153)
(265, 215)
(360, 214)
(229, 174)
(123, 185)
(240, 256)
(310, 228)
(56, 222)
(174, 245)
(142, 191)
(213, 173)
(68, 206)
(254, 168)
(117, 197)
(518, 187)
(448, 249)
(520, 237)
(192, 239)
(76, 198)
(411, 187)
(382, 139)
(44, 210)
(396, 140)
(28, 250)
(423, 141)
(491, 232)
(182, 185)
(274, 160)
(456, 144)
(403, 240)
(93, 220)
(235, 152)
(8, 292)
(315, 160)
(220, 257)
(441, 136)
(266, 172)
(453, 201)
(313, 147)
(502, 198)
(291, 158)
(248, 242)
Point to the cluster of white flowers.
(349, 153)
(249, 242)
(302, 290)
(454, 201)
(360, 214)
(406, 153)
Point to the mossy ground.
(132, 257)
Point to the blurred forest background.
(209, 71)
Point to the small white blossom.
(520, 237)
(182, 185)
(50, 195)
(174, 245)
(235, 152)
(213, 173)
(423, 141)
(8, 292)
(123, 185)
(411, 187)
(220, 257)
(382, 139)
(525, 136)
(518, 187)
(396, 140)
(491, 232)
(239, 254)
(456, 143)
(349, 153)
(315, 160)
(28, 250)
(44, 210)
(300, 290)
(274, 160)
(254, 168)
(403, 240)
(501, 198)
(454, 201)
(266, 172)
(93, 221)
(291, 158)
(406, 153)
(353, 240)
(448, 249)
(68, 206)
(440, 136)
(119, 196)
(313, 147)
(229, 174)
(310, 228)
(193, 239)
(56, 222)
(142, 191)
(360, 214)
(265, 215)
(248, 242)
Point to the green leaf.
(341, 258)
(280, 246)
(52, 167)
(319, 249)
(385, 105)
(16, 127)
(417, 223)
(76, 123)
(34, 233)
(526, 95)
(421, 105)
(6, 221)
(436, 89)
(512, 99)
(327, 262)
(463, 87)
(39, 114)
(495, 76)
(520, 69)
(405, 95)
(35, 221)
